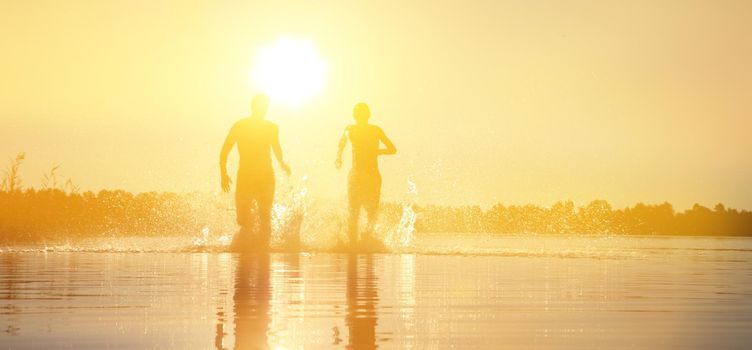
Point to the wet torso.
(254, 138)
(365, 147)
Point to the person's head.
(259, 105)
(361, 113)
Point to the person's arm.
(390, 149)
(226, 148)
(278, 151)
(340, 149)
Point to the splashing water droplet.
(412, 188)
(406, 226)
(203, 239)
(402, 236)
(288, 213)
(225, 240)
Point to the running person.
(256, 138)
(364, 180)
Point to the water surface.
(443, 292)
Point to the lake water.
(474, 292)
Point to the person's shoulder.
(377, 129)
(349, 128)
(238, 124)
(271, 126)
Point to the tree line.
(58, 210)
(596, 217)
(37, 215)
(49, 214)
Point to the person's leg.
(353, 205)
(372, 211)
(243, 201)
(243, 205)
(373, 200)
(352, 223)
(265, 201)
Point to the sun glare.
(290, 71)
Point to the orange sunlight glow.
(290, 71)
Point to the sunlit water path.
(441, 292)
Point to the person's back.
(364, 180)
(365, 140)
(255, 137)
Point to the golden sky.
(512, 101)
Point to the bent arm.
(226, 148)
(277, 149)
(390, 149)
(342, 144)
(340, 149)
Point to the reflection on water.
(362, 297)
(651, 293)
(252, 294)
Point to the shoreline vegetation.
(60, 211)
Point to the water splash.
(412, 189)
(203, 239)
(402, 236)
(300, 222)
(288, 213)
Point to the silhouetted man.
(364, 180)
(255, 137)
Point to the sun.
(290, 71)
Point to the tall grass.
(11, 178)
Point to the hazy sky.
(511, 101)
